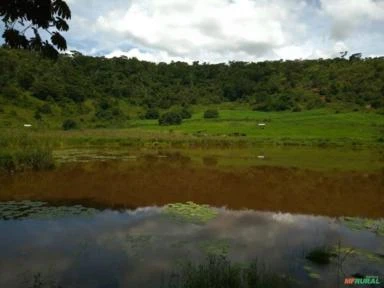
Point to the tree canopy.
(268, 86)
(22, 16)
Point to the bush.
(11, 92)
(45, 109)
(211, 113)
(109, 110)
(170, 118)
(37, 115)
(297, 108)
(69, 124)
(185, 113)
(152, 114)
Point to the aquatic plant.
(311, 272)
(190, 212)
(215, 247)
(358, 224)
(12, 210)
(21, 152)
(219, 272)
(320, 255)
(359, 253)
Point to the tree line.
(267, 86)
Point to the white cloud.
(153, 56)
(191, 28)
(347, 15)
(226, 30)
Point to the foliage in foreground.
(219, 272)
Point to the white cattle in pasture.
(27, 125)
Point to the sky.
(217, 31)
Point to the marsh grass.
(219, 272)
(20, 151)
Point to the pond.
(133, 218)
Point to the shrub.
(185, 113)
(37, 115)
(11, 92)
(297, 108)
(109, 110)
(170, 118)
(152, 114)
(211, 113)
(69, 124)
(45, 109)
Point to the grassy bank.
(19, 152)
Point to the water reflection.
(136, 248)
(153, 181)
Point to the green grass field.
(237, 124)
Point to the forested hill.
(268, 86)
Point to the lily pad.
(215, 247)
(360, 253)
(28, 209)
(191, 212)
(359, 224)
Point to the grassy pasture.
(237, 125)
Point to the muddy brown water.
(133, 184)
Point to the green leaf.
(59, 41)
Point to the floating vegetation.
(358, 224)
(27, 209)
(134, 243)
(311, 272)
(359, 253)
(191, 212)
(320, 255)
(215, 247)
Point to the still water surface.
(101, 221)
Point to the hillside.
(266, 86)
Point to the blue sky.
(226, 30)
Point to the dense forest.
(266, 86)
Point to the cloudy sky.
(226, 30)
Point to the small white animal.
(27, 125)
(262, 124)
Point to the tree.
(152, 113)
(69, 124)
(19, 16)
(170, 118)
